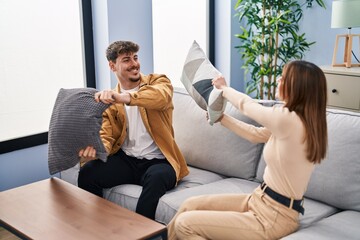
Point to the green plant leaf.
(269, 34)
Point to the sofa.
(221, 162)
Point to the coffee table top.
(55, 209)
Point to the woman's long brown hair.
(304, 91)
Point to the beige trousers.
(233, 216)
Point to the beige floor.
(6, 235)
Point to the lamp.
(345, 14)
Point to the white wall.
(132, 20)
(40, 53)
(121, 20)
(237, 74)
(223, 38)
(101, 41)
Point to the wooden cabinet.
(343, 87)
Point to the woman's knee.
(182, 227)
(193, 203)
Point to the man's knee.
(161, 174)
(87, 179)
(86, 174)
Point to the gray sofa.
(221, 162)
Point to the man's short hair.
(120, 47)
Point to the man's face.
(126, 67)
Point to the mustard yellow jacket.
(154, 99)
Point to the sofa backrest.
(336, 181)
(213, 148)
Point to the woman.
(296, 139)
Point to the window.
(42, 50)
(176, 24)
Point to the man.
(137, 133)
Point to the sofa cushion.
(260, 169)
(127, 195)
(343, 225)
(336, 180)
(71, 175)
(196, 76)
(170, 203)
(315, 211)
(75, 124)
(198, 177)
(213, 148)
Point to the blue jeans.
(156, 176)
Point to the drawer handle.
(334, 91)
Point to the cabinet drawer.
(343, 91)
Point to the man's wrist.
(125, 98)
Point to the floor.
(6, 235)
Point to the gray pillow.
(75, 124)
(196, 77)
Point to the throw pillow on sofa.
(75, 124)
(196, 77)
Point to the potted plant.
(269, 39)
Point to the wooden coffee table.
(55, 209)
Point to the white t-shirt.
(138, 142)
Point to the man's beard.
(134, 79)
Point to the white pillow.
(196, 77)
